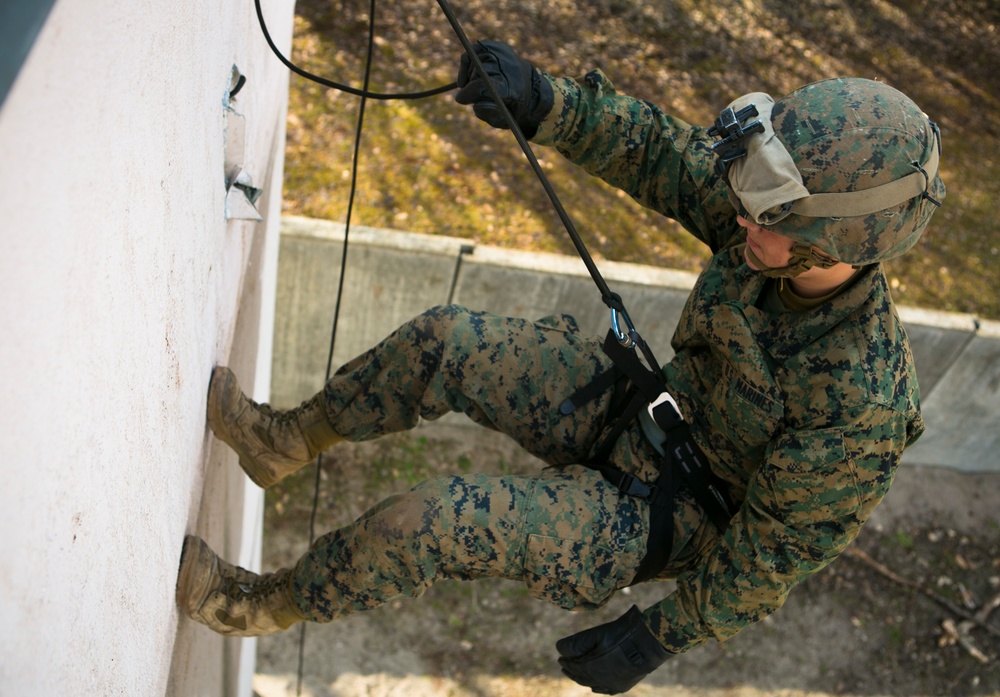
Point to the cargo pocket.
(576, 575)
(581, 540)
(811, 478)
(564, 572)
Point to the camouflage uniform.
(568, 534)
(805, 415)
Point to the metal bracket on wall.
(241, 194)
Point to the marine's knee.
(410, 535)
(431, 329)
(413, 516)
(442, 321)
(450, 332)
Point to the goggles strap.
(804, 257)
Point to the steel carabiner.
(624, 338)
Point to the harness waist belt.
(678, 447)
(668, 433)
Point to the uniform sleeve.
(661, 161)
(804, 506)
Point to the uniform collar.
(786, 334)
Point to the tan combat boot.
(270, 443)
(231, 600)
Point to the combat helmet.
(847, 168)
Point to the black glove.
(612, 657)
(526, 93)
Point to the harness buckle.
(666, 417)
(627, 483)
(633, 486)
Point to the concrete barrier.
(392, 276)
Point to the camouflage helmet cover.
(853, 135)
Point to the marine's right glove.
(612, 658)
(527, 94)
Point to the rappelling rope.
(336, 85)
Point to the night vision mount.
(730, 127)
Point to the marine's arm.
(662, 162)
(803, 507)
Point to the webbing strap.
(660, 496)
(683, 455)
(690, 464)
(636, 402)
(660, 542)
(589, 392)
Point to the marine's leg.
(572, 538)
(504, 373)
(508, 374)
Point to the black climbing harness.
(637, 381)
(682, 463)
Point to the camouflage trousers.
(566, 533)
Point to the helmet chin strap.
(804, 257)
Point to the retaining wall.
(392, 276)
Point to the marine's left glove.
(527, 94)
(613, 657)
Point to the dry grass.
(429, 166)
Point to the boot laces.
(281, 430)
(279, 417)
(242, 591)
(274, 424)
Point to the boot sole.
(195, 555)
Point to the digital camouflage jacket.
(804, 414)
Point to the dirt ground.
(905, 613)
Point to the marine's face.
(771, 248)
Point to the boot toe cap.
(198, 567)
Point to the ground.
(867, 626)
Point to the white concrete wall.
(121, 284)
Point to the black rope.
(336, 85)
(610, 299)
